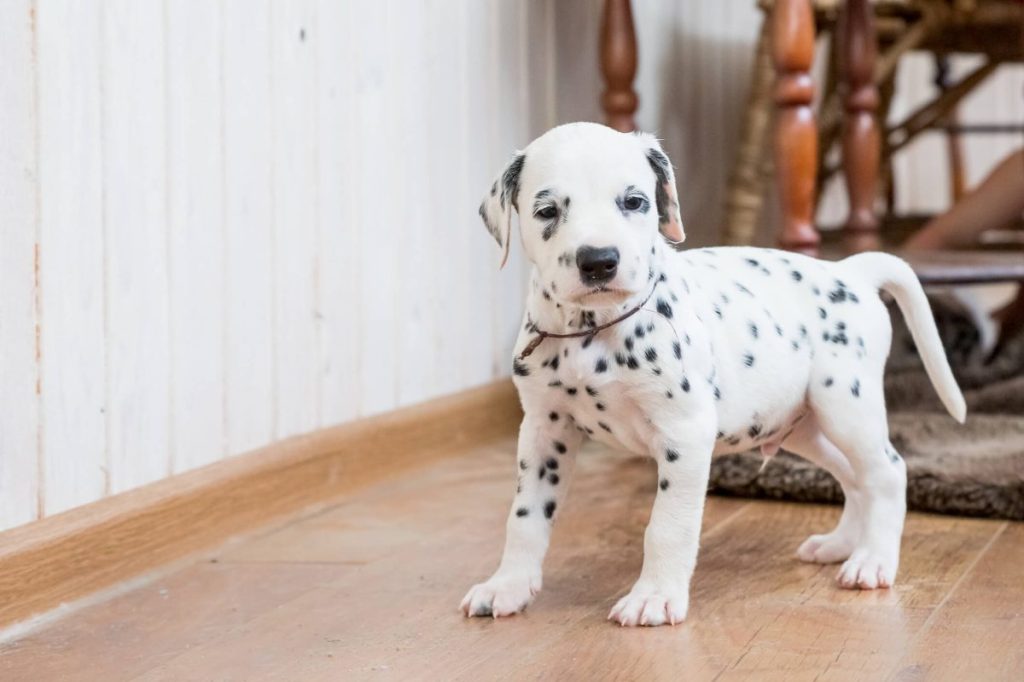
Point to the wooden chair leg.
(796, 135)
(861, 137)
(618, 64)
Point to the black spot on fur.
(748, 360)
(651, 355)
(605, 426)
(664, 484)
(671, 455)
(510, 181)
(828, 381)
(560, 447)
(822, 314)
(571, 390)
(753, 330)
(549, 509)
(629, 343)
(553, 479)
(523, 464)
(664, 308)
(855, 389)
(520, 369)
(754, 431)
(677, 350)
(552, 463)
(796, 275)
(591, 391)
(685, 385)
(522, 511)
(553, 416)
(662, 170)
(601, 365)
(632, 362)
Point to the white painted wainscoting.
(228, 222)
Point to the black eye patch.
(546, 208)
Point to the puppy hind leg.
(809, 442)
(853, 417)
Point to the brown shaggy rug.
(975, 469)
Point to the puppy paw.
(868, 569)
(828, 548)
(502, 595)
(650, 605)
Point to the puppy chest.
(603, 393)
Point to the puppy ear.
(671, 223)
(496, 209)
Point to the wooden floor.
(369, 589)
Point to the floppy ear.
(670, 222)
(496, 209)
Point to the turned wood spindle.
(861, 137)
(618, 64)
(796, 135)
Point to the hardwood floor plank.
(978, 633)
(134, 632)
(368, 588)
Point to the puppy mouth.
(603, 292)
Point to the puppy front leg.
(547, 449)
(662, 593)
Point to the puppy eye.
(546, 213)
(633, 203)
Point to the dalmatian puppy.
(681, 355)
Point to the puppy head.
(592, 203)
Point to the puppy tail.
(894, 276)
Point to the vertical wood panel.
(196, 230)
(293, 38)
(135, 209)
(18, 369)
(419, 171)
(72, 239)
(337, 167)
(481, 99)
(248, 208)
(374, 229)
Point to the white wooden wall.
(225, 222)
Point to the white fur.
(797, 361)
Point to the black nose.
(597, 265)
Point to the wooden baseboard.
(72, 554)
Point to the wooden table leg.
(861, 137)
(796, 135)
(618, 64)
